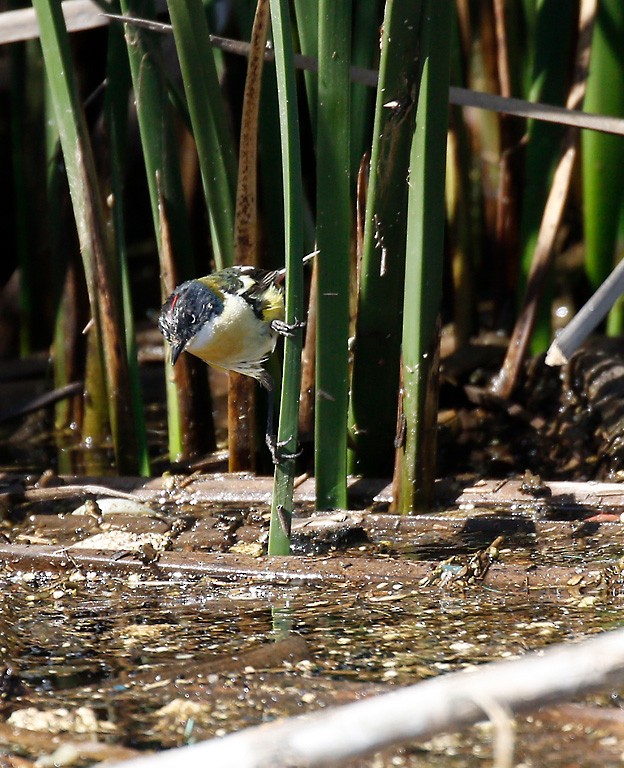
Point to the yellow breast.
(236, 340)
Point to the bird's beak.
(176, 351)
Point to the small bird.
(230, 319)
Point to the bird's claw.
(287, 329)
(277, 455)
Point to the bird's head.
(185, 312)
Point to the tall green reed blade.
(333, 230)
(156, 127)
(555, 25)
(364, 53)
(90, 224)
(116, 117)
(283, 485)
(213, 139)
(424, 263)
(307, 16)
(603, 154)
(375, 377)
(160, 154)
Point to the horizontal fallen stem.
(83, 14)
(242, 489)
(310, 571)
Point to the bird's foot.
(287, 329)
(275, 449)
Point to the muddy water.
(146, 662)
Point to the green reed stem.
(375, 378)
(333, 241)
(283, 486)
(158, 139)
(364, 53)
(424, 263)
(160, 154)
(116, 116)
(210, 130)
(603, 154)
(307, 16)
(85, 194)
